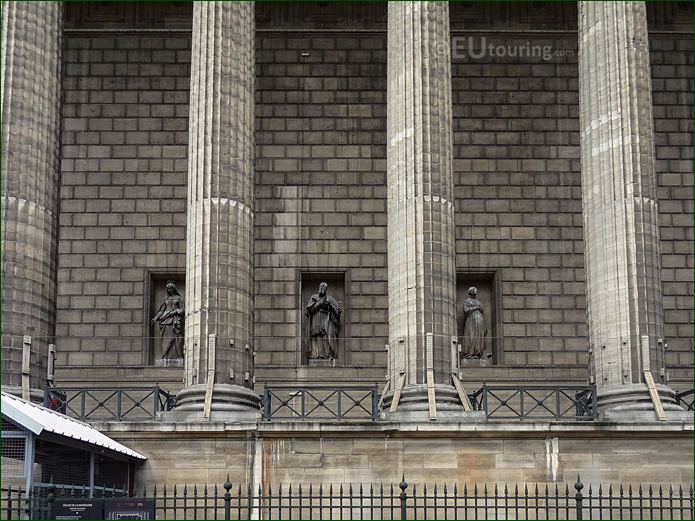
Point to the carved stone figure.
(170, 317)
(474, 327)
(323, 324)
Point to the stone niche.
(337, 288)
(488, 294)
(155, 293)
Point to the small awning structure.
(42, 445)
(39, 419)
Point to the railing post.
(594, 405)
(485, 398)
(266, 402)
(375, 403)
(156, 402)
(83, 396)
(578, 486)
(49, 500)
(119, 402)
(403, 497)
(45, 397)
(227, 499)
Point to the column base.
(35, 395)
(231, 403)
(632, 402)
(414, 406)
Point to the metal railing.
(538, 402)
(685, 399)
(392, 501)
(134, 403)
(320, 403)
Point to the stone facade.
(291, 453)
(321, 187)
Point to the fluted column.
(31, 67)
(219, 258)
(421, 254)
(621, 232)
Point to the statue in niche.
(474, 327)
(323, 315)
(170, 317)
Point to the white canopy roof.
(39, 419)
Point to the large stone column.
(31, 76)
(421, 254)
(219, 258)
(621, 232)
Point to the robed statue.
(323, 315)
(474, 327)
(170, 317)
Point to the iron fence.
(390, 502)
(539, 402)
(320, 403)
(135, 403)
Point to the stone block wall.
(321, 188)
(672, 84)
(123, 198)
(365, 454)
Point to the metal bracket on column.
(462, 393)
(26, 367)
(431, 398)
(654, 395)
(50, 368)
(207, 408)
(388, 376)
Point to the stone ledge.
(367, 428)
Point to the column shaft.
(31, 76)
(621, 232)
(421, 246)
(219, 259)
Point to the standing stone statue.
(170, 317)
(324, 322)
(474, 327)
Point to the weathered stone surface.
(219, 253)
(621, 231)
(422, 271)
(32, 35)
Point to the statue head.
(472, 291)
(323, 288)
(171, 288)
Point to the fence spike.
(557, 490)
(567, 489)
(610, 489)
(260, 491)
(185, 490)
(465, 489)
(456, 490)
(536, 489)
(270, 489)
(640, 489)
(621, 489)
(525, 490)
(154, 491)
(300, 489)
(661, 492)
(506, 489)
(214, 490)
(361, 489)
(164, 491)
(629, 489)
(350, 489)
(445, 489)
(600, 490)
(546, 489)
(485, 488)
(195, 490)
(341, 489)
(435, 489)
(290, 490)
(516, 489)
(680, 490)
(650, 490)
(371, 489)
(589, 488)
(414, 489)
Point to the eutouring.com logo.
(479, 48)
